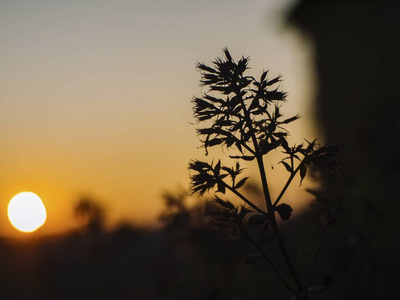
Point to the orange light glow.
(26, 212)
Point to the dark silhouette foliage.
(91, 214)
(243, 114)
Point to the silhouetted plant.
(179, 213)
(243, 114)
(176, 213)
(91, 214)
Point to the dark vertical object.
(357, 63)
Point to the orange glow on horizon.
(96, 99)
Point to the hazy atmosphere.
(199, 149)
(95, 95)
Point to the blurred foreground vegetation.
(189, 258)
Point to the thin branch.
(265, 256)
(258, 154)
(287, 258)
(267, 196)
(244, 145)
(233, 190)
(288, 183)
(315, 254)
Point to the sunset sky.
(95, 95)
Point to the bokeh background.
(95, 96)
(96, 118)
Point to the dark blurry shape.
(254, 188)
(179, 214)
(176, 212)
(197, 258)
(357, 60)
(284, 211)
(328, 203)
(91, 214)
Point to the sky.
(95, 95)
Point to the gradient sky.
(95, 95)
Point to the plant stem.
(258, 154)
(287, 184)
(273, 267)
(314, 257)
(274, 225)
(265, 256)
(268, 201)
(233, 190)
(243, 144)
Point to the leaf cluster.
(206, 176)
(244, 110)
(318, 158)
(229, 215)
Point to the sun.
(26, 212)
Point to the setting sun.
(26, 212)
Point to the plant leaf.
(288, 168)
(217, 168)
(303, 172)
(221, 188)
(254, 104)
(241, 182)
(284, 211)
(223, 203)
(248, 158)
(256, 219)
